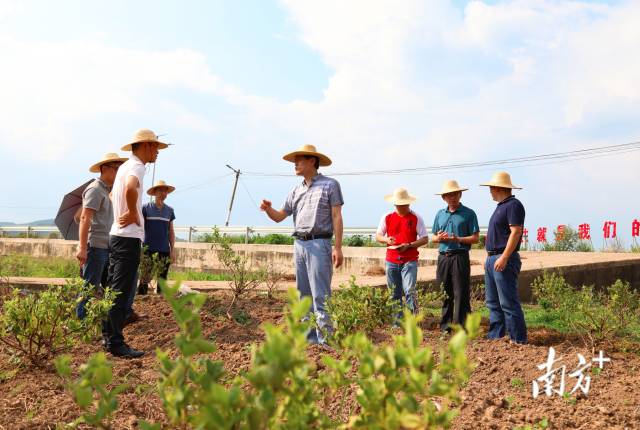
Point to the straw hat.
(308, 150)
(160, 184)
(142, 136)
(450, 186)
(400, 197)
(502, 180)
(110, 157)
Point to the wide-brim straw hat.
(502, 180)
(110, 157)
(400, 197)
(143, 136)
(160, 184)
(308, 150)
(450, 186)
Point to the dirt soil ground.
(497, 396)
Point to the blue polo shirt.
(508, 212)
(462, 222)
(156, 226)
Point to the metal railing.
(189, 232)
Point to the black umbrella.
(65, 219)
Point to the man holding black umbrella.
(95, 221)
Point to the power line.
(249, 193)
(204, 183)
(532, 160)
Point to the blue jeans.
(314, 270)
(501, 294)
(94, 272)
(401, 279)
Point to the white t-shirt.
(132, 167)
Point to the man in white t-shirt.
(126, 235)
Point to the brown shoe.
(134, 317)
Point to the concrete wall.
(598, 269)
(203, 256)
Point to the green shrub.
(244, 278)
(38, 326)
(355, 240)
(272, 239)
(550, 290)
(90, 390)
(594, 315)
(567, 239)
(397, 383)
(359, 308)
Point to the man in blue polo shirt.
(159, 237)
(456, 229)
(503, 262)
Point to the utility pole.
(153, 179)
(233, 194)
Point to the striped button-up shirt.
(311, 205)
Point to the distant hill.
(38, 223)
(42, 222)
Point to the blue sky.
(374, 84)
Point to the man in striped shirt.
(316, 206)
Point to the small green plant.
(429, 297)
(517, 383)
(397, 384)
(151, 266)
(359, 308)
(90, 390)
(551, 290)
(273, 276)
(243, 278)
(508, 401)
(477, 294)
(540, 425)
(39, 326)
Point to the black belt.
(453, 252)
(309, 236)
(496, 252)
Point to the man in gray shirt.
(316, 206)
(95, 221)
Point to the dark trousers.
(454, 272)
(164, 259)
(124, 258)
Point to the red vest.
(405, 230)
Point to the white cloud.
(413, 83)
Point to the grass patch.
(192, 275)
(33, 267)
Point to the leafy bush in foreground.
(355, 308)
(95, 376)
(282, 389)
(39, 326)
